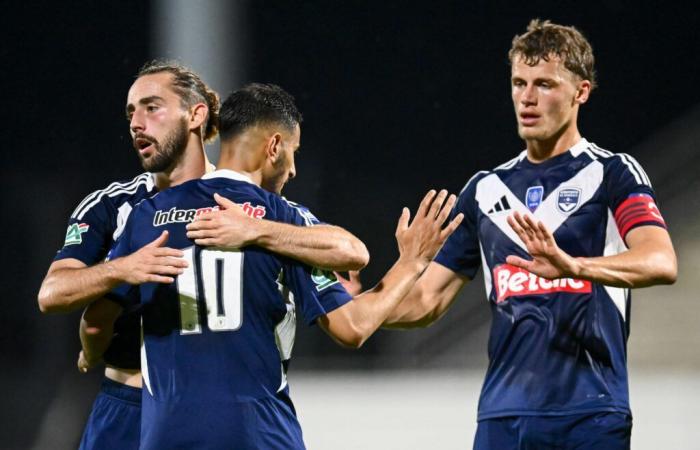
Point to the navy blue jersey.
(92, 230)
(556, 346)
(217, 341)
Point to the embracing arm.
(70, 284)
(96, 330)
(650, 259)
(324, 246)
(353, 323)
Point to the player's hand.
(352, 283)
(548, 260)
(421, 240)
(153, 263)
(84, 364)
(228, 227)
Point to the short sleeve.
(630, 195)
(461, 252)
(316, 292)
(297, 214)
(89, 233)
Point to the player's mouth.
(144, 146)
(528, 119)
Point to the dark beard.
(170, 152)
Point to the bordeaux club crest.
(568, 199)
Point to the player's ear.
(273, 147)
(198, 115)
(583, 90)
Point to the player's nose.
(137, 123)
(529, 96)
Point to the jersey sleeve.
(630, 194)
(297, 214)
(316, 292)
(461, 252)
(89, 233)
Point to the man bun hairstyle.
(544, 39)
(191, 89)
(257, 104)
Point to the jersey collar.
(579, 147)
(227, 173)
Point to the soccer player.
(564, 230)
(217, 343)
(171, 114)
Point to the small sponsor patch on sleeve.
(323, 278)
(636, 210)
(74, 234)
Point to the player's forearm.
(642, 266)
(95, 340)
(324, 246)
(371, 308)
(69, 289)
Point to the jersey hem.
(566, 412)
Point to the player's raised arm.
(353, 323)
(650, 259)
(324, 246)
(70, 284)
(428, 300)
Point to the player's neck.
(193, 164)
(242, 155)
(541, 150)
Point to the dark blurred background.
(397, 97)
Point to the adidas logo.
(501, 205)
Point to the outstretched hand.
(548, 260)
(423, 238)
(229, 226)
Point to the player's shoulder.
(617, 164)
(115, 194)
(308, 217)
(499, 170)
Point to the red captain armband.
(638, 209)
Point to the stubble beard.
(168, 153)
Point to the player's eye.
(152, 108)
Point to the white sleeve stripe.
(116, 185)
(636, 169)
(639, 174)
(639, 168)
(590, 152)
(601, 151)
(79, 214)
(90, 197)
(471, 179)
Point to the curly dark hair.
(256, 104)
(191, 89)
(544, 39)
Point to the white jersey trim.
(614, 245)
(228, 173)
(113, 190)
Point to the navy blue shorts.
(115, 420)
(599, 431)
